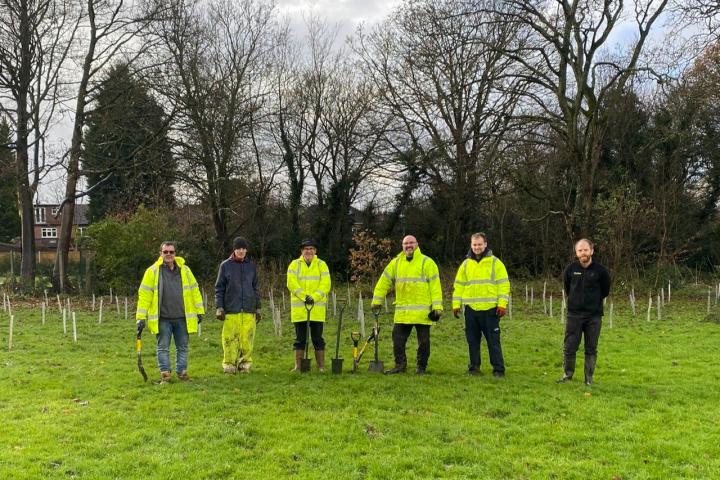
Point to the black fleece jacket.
(586, 288)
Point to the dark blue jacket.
(236, 287)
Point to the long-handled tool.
(357, 355)
(337, 363)
(306, 363)
(376, 365)
(138, 349)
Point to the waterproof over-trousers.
(238, 336)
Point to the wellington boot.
(320, 359)
(589, 368)
(401, 368)
(299, 354)
(568, 368)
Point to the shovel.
(355, 337)
(337, 363)
(138, 349)
(306, 363)
(376, 365)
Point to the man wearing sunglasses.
(169, 301)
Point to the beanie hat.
(239, 243)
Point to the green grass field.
(81, 410)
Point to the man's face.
(240, 253)
(308, 253)
(583, 252)
(168, 254)
(477, 245)
(409, 244)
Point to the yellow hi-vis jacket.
(482, 285)
(417, 288)
(149, 291)
(303, 280)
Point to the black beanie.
(239, 243)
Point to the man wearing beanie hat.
(308, 279)
(237, 298)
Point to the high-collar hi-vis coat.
(151, 289)
(417, 288)
(481, 284)
(303, 280)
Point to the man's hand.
(500, 311)
(434, 315)
(456, 312)
(257, 316)
(309, 300)
(140, 325)
(376, 309)
(220, 314)
(199, 318)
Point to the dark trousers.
(477, 324)
(400, 334)
(577, 327)
(316, 331)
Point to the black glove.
(309, 300)
(376, 309)
(434, 315)
(200, 318)
(140, 325)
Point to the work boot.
(499, 374)
(165, 377)
(183, 376)
(320, 359)
(245, 367)
(568, 369)
(299, 354)
(229, 369)
(420, 371)
(398, 368)
(589, 368)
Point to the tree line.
(536, 122)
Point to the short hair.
(592, 246)
(168, 243)
(479, 235)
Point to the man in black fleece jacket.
(237, 298)
(586, 284)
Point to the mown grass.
(81, 410)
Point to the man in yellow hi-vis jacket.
(418, 301)
(308, 280)
(482, 285)
(169, 301)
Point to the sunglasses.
(172, 252)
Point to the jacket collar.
(416, 254)
(179, 261)
(486, 253)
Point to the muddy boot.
(229, 369)
(589, 368)
(398, 368)
(299, 354)
(320, 359)
(165, 377)
(183, 376)
(568, 368)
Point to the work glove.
(376, 309)
(140, 325)
(434, 315)
(500, 312)
(200, 318)
(257, 316)
(456, 312)
(220, 314)
(309, 300)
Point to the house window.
(81, 231)
(54, 211)
(49, 233)
(39, 214)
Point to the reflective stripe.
(377, 299)
(293, 271)
(153, 317)
(437, 302)
(409, 279)
(506, 297)
(412, 307)
(145, 287)
(480, 300)
(432, 278)
(310, 277)
(191, 315)
(199, 305)
(387, 275)
(457, 298)
(142, 311)
(324, 274)
(190, 287)
(458, 282)
(479, 282)
(502, 280)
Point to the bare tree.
(35, 39)
(113, 28)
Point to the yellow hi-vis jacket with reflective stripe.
(303, 280)
(149, 296)
(482, 285)
(417, 288)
